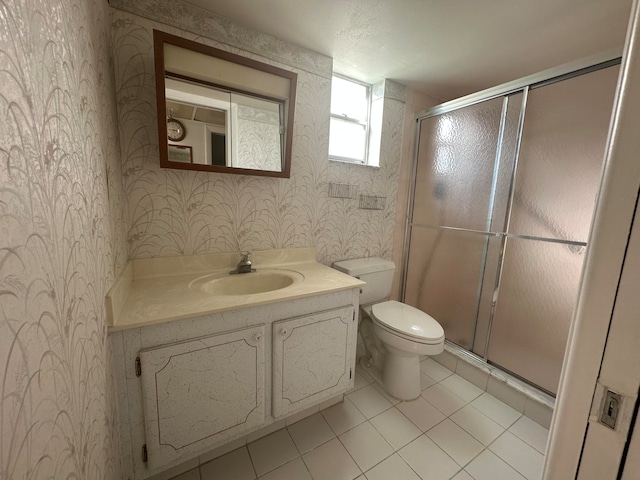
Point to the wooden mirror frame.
(159, 40)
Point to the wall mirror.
(221, 112)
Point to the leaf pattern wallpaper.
(260, 133)
(81, 192)
(62, 240)
(176, 212)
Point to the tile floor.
(454, 430)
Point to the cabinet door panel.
(201, 392)
(312, 358)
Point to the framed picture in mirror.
(180, 153)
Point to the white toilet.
(394, 334)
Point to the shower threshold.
(527, 399)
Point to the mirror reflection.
(222, 112)
(225, 128)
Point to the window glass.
(347, 140)
(349, 99)
(349, 126)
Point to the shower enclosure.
(505, 188)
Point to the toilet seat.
(407, 322)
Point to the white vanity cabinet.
(198, 393)
(312, 359)
(189, 386)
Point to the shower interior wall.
(502, 203)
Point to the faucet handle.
(244, 256)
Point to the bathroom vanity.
(202, 357)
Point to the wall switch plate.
(610, 408)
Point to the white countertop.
(156, 290)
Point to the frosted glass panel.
(538, 291)
(454, 178)
(561, 156)
(444, 274)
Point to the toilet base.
(401, 375)
(377, 375)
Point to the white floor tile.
(524, 458)
(397, 429)
(426, 381)
(294, 470)
(462, 388)
(343, 416)
(433, 369)
(488, 466)
(394, 468)
(272, 451)
(443, 399)
(531, 432)
(481, 427)
(496, 410)
(457, 443)
(369, 401)
(462, 475)
(421, 413)
(359, 381)
(366, 446)
(310, 432)
(392, 443)
(236, 464)
(428, 460)
(383, 392)
(331, 461)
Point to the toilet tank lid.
(361, 266)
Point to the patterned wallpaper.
(260, 133)
(62, 240)
(175, 212)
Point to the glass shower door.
(556, 182)
(451, 215)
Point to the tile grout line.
(524, 440)
(255, 472)
(373, 466)
(504, 459)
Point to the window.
(349, 125)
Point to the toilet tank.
(377, 272)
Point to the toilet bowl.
(395, 335)
(406, 333)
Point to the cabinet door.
(313, 358)
(201, 392)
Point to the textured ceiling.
(445, 48)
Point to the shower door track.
(546, 77)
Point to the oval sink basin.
(262, 281)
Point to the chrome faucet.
(244, 265)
